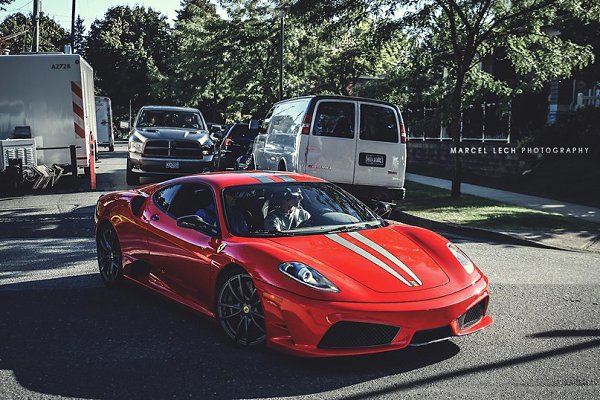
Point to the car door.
(181, 256)
(380, 153)
(332, 142)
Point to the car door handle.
(154, 217)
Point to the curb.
(479, 233)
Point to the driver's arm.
(273, 223)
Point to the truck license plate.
(172, 164)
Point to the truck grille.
(347, 334)
(173, 149)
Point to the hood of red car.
(382, 259)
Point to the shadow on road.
(101, 343)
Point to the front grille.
(431, 335)
(347, 334)
(472, 316)
(173, 149)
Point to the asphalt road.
(63, 335)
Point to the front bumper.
(158, 165)
(297, 325)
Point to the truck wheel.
(132, 178)
(111, 147)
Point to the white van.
(104, 123)
(345, 140)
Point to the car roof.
(170, 108)
(221, 180)
(318, 97)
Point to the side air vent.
(137, 203)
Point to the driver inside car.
(288, 213)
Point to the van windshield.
(170, 119)
(294, 208)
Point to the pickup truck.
(168, 141)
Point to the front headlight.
(307, 276)
(136, 144)
(462, 258)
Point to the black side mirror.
(197, 223)
(383, 208)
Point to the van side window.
(378, 123)
(335, 119)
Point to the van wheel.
(111, 148)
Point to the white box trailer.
(104, 123)
(51, 96)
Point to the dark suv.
(236, 143)
(168, 141)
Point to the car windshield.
(294, 208)
(170, 119)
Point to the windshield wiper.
(343, 228)
(349, 228)
(275, 232)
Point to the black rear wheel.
(239, 309)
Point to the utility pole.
(35, 46)
(281, 47)
(73, 27)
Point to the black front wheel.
(132, 178)
(110, 259)
(239, 309)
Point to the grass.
(436, 204)
(575, 180)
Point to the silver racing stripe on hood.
(351, 246)
(386, 254)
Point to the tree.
(130, 49)
(4, 3)
(459, 34)
(18, 27)
(79, 37)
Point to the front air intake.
(472, 316)
(346, 334)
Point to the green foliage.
(4, 3)
(129, 50)
(79, 38)
(53, 37)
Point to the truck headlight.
(462, 258)
(307, 276)
(136, 145)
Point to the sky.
(89, 10)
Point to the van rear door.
(380, 155)
(332, 143)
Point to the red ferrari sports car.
(292, 261)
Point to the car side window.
(164, 197)
(334, 119)
(378, 123)
(195, 199)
